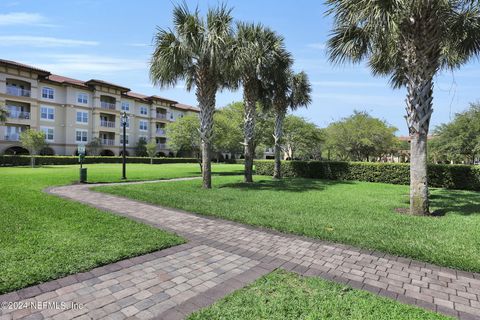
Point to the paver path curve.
(223, 256)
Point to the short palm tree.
(196, 51)
(410, 41)
(255, 50)
(287, 90)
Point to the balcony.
(12, 137)
(107, 124)
(161, 116)
(16, 91)
(107, 105)
(18, 114)
(107, 142)
(160, 132)
(161, 145)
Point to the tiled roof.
(101, 82)
(186, 107)
(25, 66)
(61, 79)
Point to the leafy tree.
(228, 133)
(409, 40)
(34, 141)
(184, 135)
(151, 149)
(198, 52)
(360, 137)
(301, 139)
(256, 48)
(141, 147)
(94, 146)
(459, 140)
(3, 112)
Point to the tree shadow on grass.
(450, 201)
(286, 184)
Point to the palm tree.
(410, 41)
(197, 51)
(286, 90)
(255, 50)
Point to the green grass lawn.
(282, 295)
(43, 237)
(357, 213)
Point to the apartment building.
(72, 112)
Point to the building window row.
(143, 125)
(82, 117)
(81, 135)
(49, 133)
(82, 98)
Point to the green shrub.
(7, 160)
(461, 177)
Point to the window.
(125, 106)
(82, 98)
(47, 93)
(143, 125)
(47, 113)
(143, 110)
(171, 115)
(81, 136)
(121, 139)
(82, 117)
(48, 133)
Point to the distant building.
(72, 112)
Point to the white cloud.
(317, 45)
(349, 84)
(89, 64)
(33, 41)
(23, 18)
(138, 44)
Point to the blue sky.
(111, 40)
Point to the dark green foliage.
(460, 177)
(6, 160)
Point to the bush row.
(461, 177)
(7, 160)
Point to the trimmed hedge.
(7, 160)
(461, 177)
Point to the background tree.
(183, 135)
(151, 148)
(360, 137)
(3, 112)
(197, 51)
(459, 140)
(228, 135)
(409, 40)
(301, 139)
(94, 146)
(34, 141)
(255, 49)
(141, 147)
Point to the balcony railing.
(161, 116)
(162, 145)
(18, 114)
(12, 137)
(108, 142)
(107, 105)
(19, 92)
(108, 124)
(160, 132)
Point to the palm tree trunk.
(277, 136)
(250, 99)
(419, 111)
(206, 101)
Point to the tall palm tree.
(410, 41)
(197, 51)
(255, 50)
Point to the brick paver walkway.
(221, 257)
